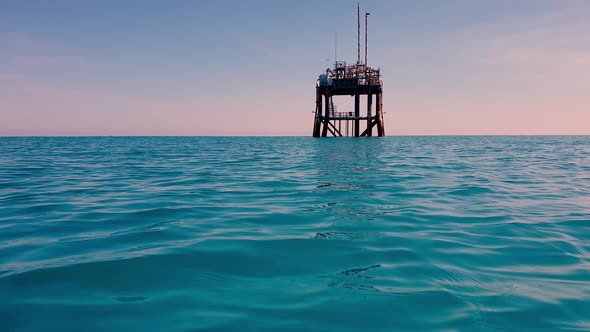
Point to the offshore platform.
(350, 80)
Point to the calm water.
(295, 234)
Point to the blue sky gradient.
(249, 67)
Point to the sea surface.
(295, 234)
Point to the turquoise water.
(295, 234)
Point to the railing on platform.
(359, 73)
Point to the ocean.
(295, 234)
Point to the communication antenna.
(366, 33)
(358, 32)
(335, 48)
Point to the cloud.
(22, 43)
(35, 99)
(557, 39)
(524, 75)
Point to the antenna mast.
(366, 33)
(356, 80)
(358, 32)
(335, 48)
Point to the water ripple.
(401, 233)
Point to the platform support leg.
(357, 113)
(326, 116)
(369, 113)
(379, 116)
(317, 124)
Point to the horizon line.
(400, 135)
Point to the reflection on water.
(399, 233)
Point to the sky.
(144, 67)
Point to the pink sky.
(528, 76)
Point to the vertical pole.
(346, 125)
(366, 40)
(348, 128)
(358, 33)
(326, 115)
(335, 48)
(379, 115)
(318, 115)
(315, 118)
(369, 113)
(357, 102)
